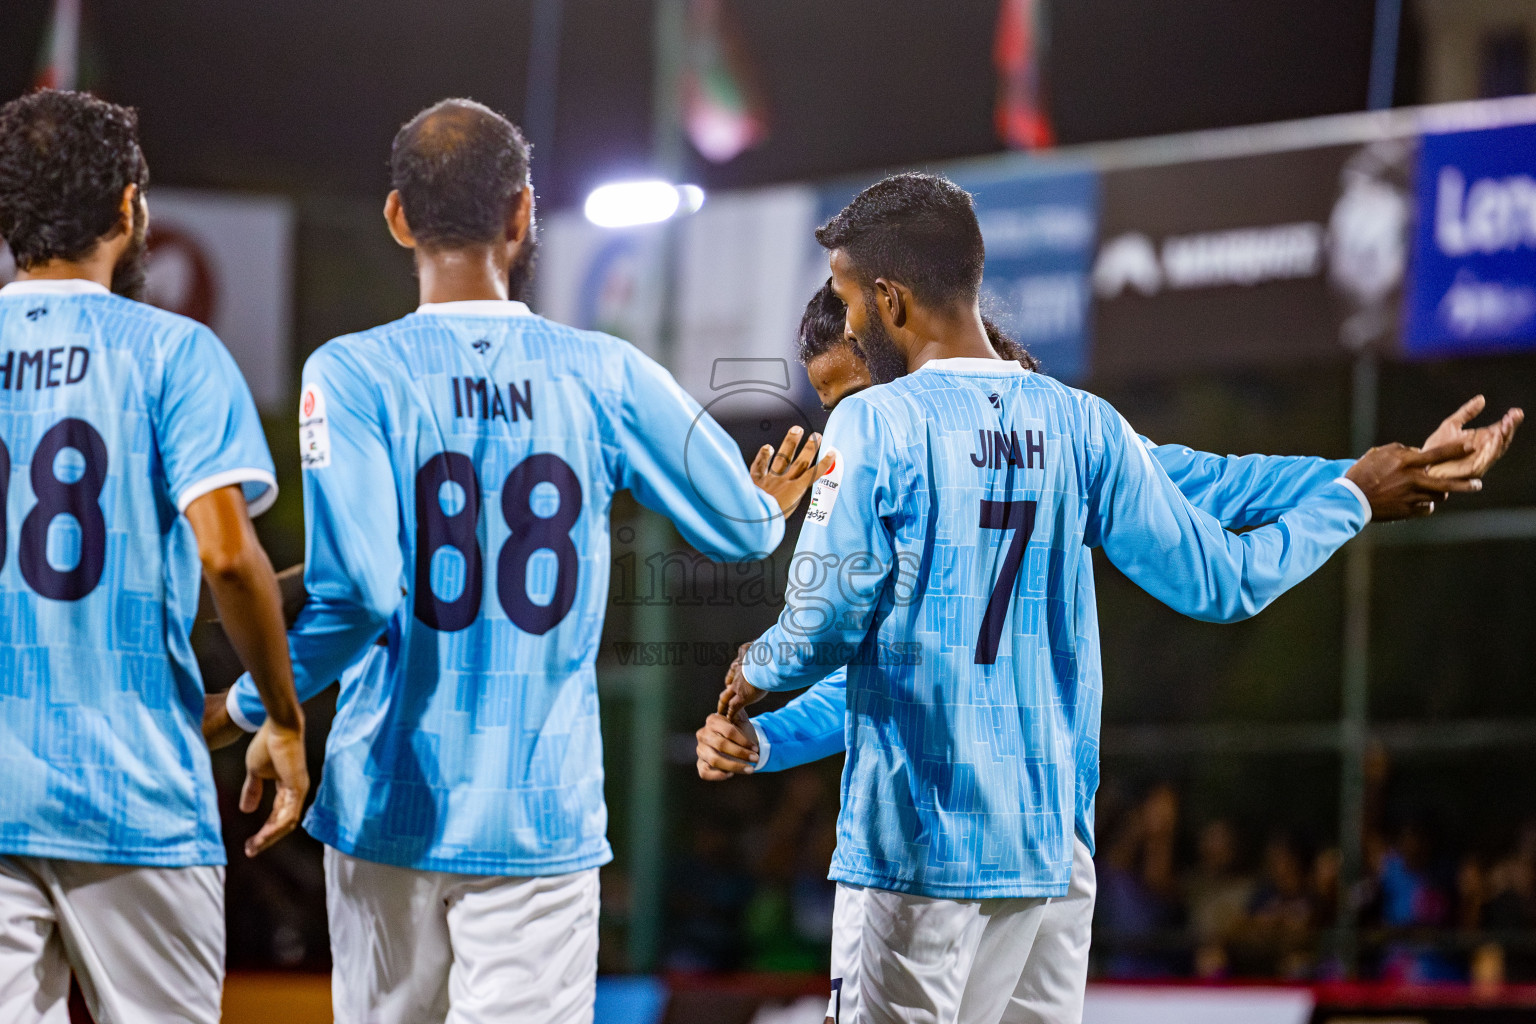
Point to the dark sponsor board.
(1251, 260)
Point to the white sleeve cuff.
(764, 748)
(232, 705)
(208, 484)
(1354, 488)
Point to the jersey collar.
(476, 307)
(63, 286)
(970, 364)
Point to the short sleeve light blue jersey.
(951, 539)
(460, 464)
(1238, 490)
(114, 417)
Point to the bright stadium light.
(690, 198)
(626, 204)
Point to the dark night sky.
(304, 95)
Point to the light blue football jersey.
(460, 464)
(942, 561)
(114, 417)
(1240, 491)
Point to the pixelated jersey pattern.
(111, 412)
(463, 508)
(973, 733)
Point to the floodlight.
(625, 204)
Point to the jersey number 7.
(531, 533)
(1018, 516)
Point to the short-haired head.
(919, 230)
(459, 168)
(66, 160)
(822, 325)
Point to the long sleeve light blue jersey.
(943, 561)
(114, 418)
(460, 464)
(1238, 490)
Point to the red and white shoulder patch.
(824, 491)
(314, 429)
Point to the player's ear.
(125, 211)
(893, 299)
(394, 216)
(143, 206)
(521, 220)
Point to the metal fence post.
(1354, 708)
(653, 620)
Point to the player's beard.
(130, 274)
(885, 361)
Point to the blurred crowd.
(1218, 902)
(1177, 898)
(749, 891)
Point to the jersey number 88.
(531, 533)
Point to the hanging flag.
(723, 108)
(58, 66)
(1020, 117)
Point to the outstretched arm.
(1183, 557)
(677, 460)
(1239, 491)
(1243, 491)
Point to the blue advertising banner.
(1473, 284)
(1040, 228)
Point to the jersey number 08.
(531, 533)
(79, 498)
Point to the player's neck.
(97, 267)
(461, 275)
(957, 336)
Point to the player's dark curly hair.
(821, 330)
(459, 167)
(821, 325)
(65, 159)
(916, 229)
(1007, 347)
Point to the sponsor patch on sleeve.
(314, 430)
(824, 491)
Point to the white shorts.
(901, 959)
(147, 944)
(423, 947)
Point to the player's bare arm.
(245, 591)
